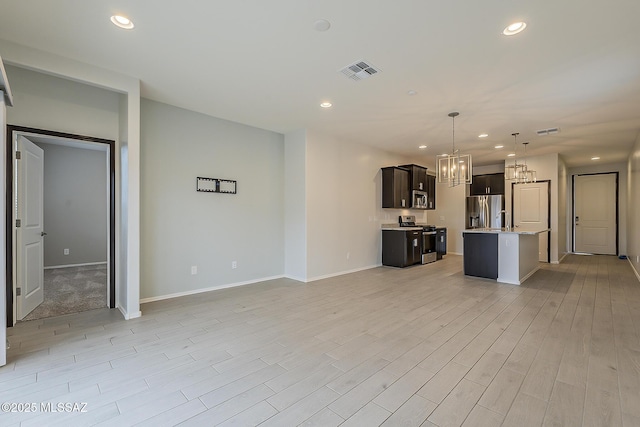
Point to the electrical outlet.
(234, 264)
(194, 269)
(441, 217)
(66, 251)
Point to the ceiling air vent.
(359, 70)
(545, 132)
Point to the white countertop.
(395, 227)
(504, 230)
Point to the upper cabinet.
(487, 184)
(431, 191)
(408, 186)
(417, 177)
(395, 188)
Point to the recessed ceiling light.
(499, 146)
(511, 154)
(483, 135)
(514, 28)
(122, 22)
(422, 147)
(412, 93)
(443, 155)
(326, 105)
(322, 25)
(595, 158)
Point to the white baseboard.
(128, 316)
(75, 265)
(340, 273)
(634, 269)
(212, 288)
(560, 260)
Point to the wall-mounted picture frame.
(216, 185)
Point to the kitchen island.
(507, 256)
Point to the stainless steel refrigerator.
(485, 212)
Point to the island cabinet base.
(506, 256)
(481, 255)
(518, 255)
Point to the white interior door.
(595, 213)
(29, 235)
(531, 212)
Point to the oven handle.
(429, 232)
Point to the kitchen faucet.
(507, 226)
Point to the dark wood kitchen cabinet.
(417, 177)
(401, 248)
(441, 242)
(431, 191)
(480, 254)
(492, 183)
(395, 188)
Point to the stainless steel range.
(429, 233)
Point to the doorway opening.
(79, 275)
(595, 213)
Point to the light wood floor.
(417, 346)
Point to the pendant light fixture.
(529, 175)
(515, 172)
(455, 168)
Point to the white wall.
(75, 205)
(46, 102)
(344, 199)
(481, 170)
(3, 187)
(182, 227)
(450, 212)
(621, 168)
(547, 168)
(563, 200)
(128, 212)
(633, 207)
(295, 208)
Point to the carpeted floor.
(72, 290)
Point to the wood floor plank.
(565, 406)
(525, 411)
(456, 406)
(418, 346)
(413, 412)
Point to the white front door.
(595, 213)
(531, 212)
(29, 234)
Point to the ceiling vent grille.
(359, 70)
(550, 131)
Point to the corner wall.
(295, 205)
(633, 206)
(344, 199)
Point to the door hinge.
(18, 292)
(18, 155)
(18, 223)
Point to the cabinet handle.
(415, 243)
(403, 203)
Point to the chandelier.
(455, 168)
(529, 175)
(516, 171)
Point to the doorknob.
(42, 234)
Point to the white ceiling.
(262, 63)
